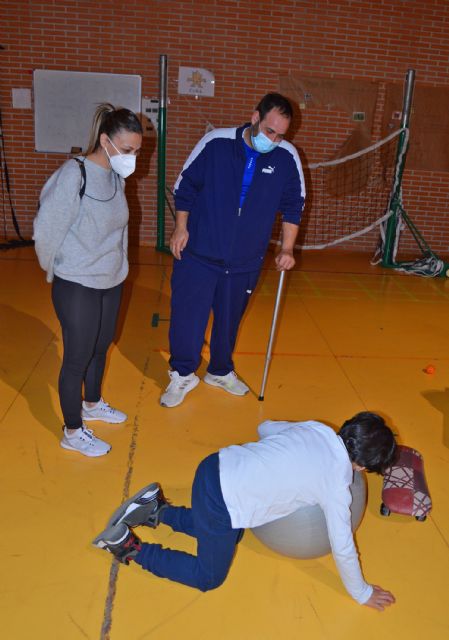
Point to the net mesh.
(347, 197)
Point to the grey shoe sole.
(100, 540)
(122, 515)
(86, 453)
(86, 418)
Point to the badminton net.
(348, 197)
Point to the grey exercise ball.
(303, 533)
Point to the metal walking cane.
(273, 329)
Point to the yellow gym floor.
(351, 337)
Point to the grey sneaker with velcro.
(121, 541)
(143, 508)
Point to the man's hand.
(285, 260)
(178, 241)
(380, 599)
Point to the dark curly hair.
(369, 442)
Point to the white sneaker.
(178, 388)
(229, 383)
(104, 412)
(84, 441)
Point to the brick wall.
(247, 45)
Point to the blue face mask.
(262, 143)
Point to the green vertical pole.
(161, 153)
(395, 199)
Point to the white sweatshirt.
(292, 465)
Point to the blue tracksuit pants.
(209, 522)
(198, 289)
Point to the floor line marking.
(341, 356)
(363, 288)
(113, 573)
(335, 357)
(402, 287)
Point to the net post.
(161, 153)
(394, 204)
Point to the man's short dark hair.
(369, 442)
(274, 101)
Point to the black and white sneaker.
(144, 508)
(121, 541)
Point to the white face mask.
(123, 163)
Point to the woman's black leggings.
(88, 319)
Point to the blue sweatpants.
(198, 289)
(209, 522)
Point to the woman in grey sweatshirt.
(81, 240)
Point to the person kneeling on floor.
(241, 486)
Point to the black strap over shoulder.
(83, 176)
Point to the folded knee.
(208, 584)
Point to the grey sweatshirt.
(83, 241)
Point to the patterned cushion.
(405, 488)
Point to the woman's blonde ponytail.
(101, 113)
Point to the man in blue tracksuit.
(227, 196)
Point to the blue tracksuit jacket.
(209, 188)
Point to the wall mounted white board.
(65, 102)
